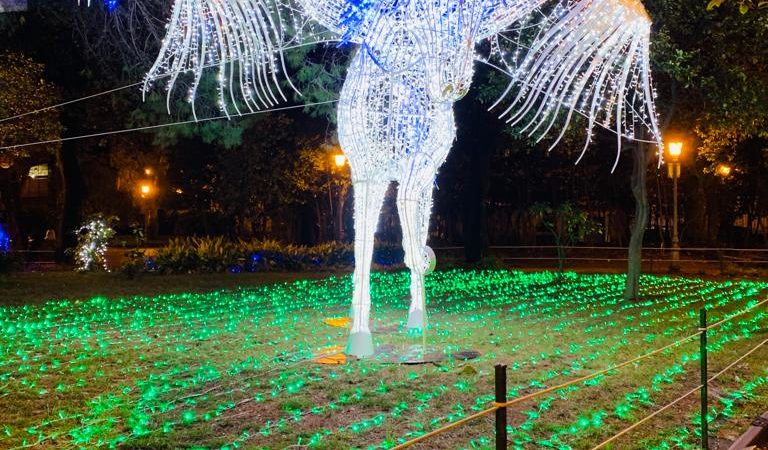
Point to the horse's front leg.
(369, 196)
(414, 205)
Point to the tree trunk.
(71, 195)
(640, 192)
(340, 236)
(560, 258)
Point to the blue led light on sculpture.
(354, 17)
(111, 5)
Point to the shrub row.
(217, 254)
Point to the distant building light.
(39, 171)
(5, 161)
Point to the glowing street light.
(674, 152)
(337, 218)
(146, 190)
(724, 170)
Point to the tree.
(323, 185)
(744, 5)
(568, 225)
(23, 88)
(252, 180)
(639, 186)
(319, 73)
(712, 69)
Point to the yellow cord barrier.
(442, 430)
(676, 401)
(647, 418)
(515, 401)
(597, 374)
(741, 313)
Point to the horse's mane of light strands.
(243, 39)
(594, 60)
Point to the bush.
(216, 254)
(9, 262)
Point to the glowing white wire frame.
(593, 60)
(243, 39)
(396, 123)
(415, 59)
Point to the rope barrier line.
(515, 401)
(172, 124)
(596, 374)
(678, 400)
(717, 324)
(139, 83)
(70, 102)
(730, 366)
(450, 426)
(647, 418)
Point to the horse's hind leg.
(414, 205)
(369, 196)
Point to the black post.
(501, 413)
(704, 377)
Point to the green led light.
(174, 367)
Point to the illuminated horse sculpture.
(396, 123)
(415, 60)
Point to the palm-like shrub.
(217, 254)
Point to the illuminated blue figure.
(5, 239)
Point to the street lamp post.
(674, 151)
(145, 190)
(147, 194)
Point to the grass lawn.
(188, 366)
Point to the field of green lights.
(235, 369)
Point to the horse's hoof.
(360, 344)
(415, 320)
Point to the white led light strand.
(594, 60)
(414, 60)
(243, 39)
(396, 123)
(92, 242)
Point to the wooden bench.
(756, 435)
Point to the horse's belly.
(385, 119)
